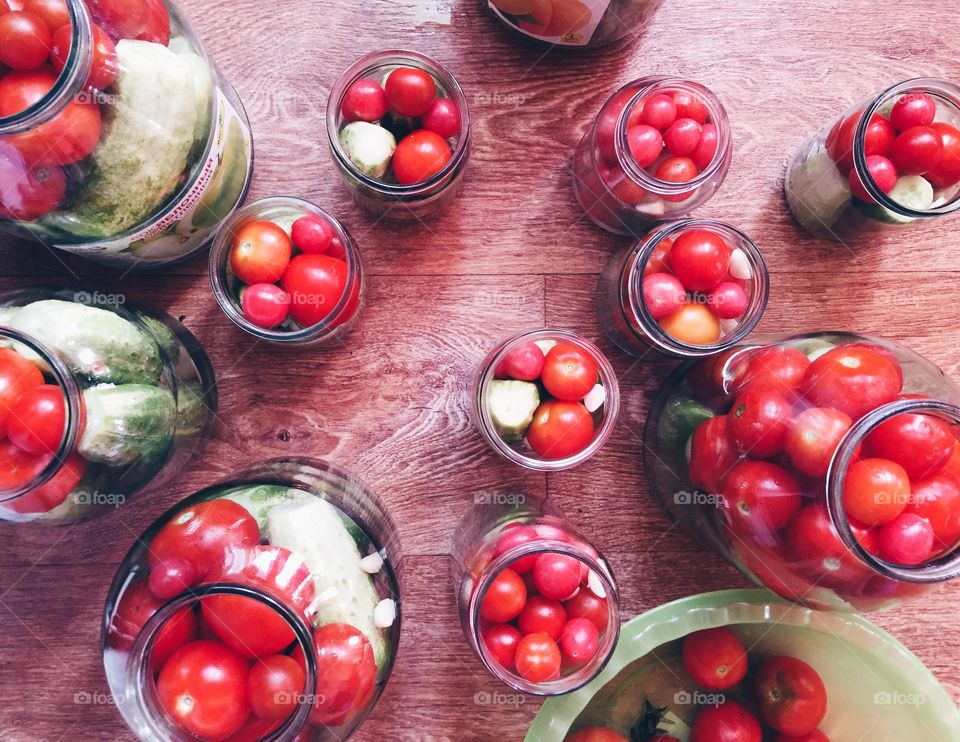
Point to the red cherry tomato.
(54, 13)
(411, 91)
(556, 576)
(793, 698)
(274, 686)
(728, 300)
(17, 468)
(682, 137)
(365, 100)
(38, 420)
(813, 541)
(645, 144)
(620, 185)
(315, 284)
(659, 259)
(853, 378)
(524, 363)
(690, 106)
(907, 539)
(714, 659)
(663, 294)
(937, 499)
(261, 252)
(711, 454)
(774, 367)
(103, 68)
(560, 429)
(659, 111)
(246, 625)
(170, 577)
(758, 422)
(728, 722)
(124, 19)
(501, 640)
(511, 538)
(599, 734)
(136, 606)
(706, 149)
(420, 156)
(544, 615)
(813, 437)
(676, 170)
(312, 234)
(947, 172)
(443, 118)
(29, 193)
(538, 658)
(606, 126)
(203, 689)
(922, 444)
(24, 40)
(760, 498)
(917, 150)
(883, 172)
(875, 491)
(579, 641)
(700, 259)
(913, 109)
(17, 376)
(878, 139)
(505, 597)
(265, 304)
(586, 604)
(839, 142)
(569, 372)
(156, 28)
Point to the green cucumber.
(260, 499)
(511, 405)
(679, 419)
(817, 193)
(127, 423)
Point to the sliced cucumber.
(511, 405)
(817, 193)
(679, 419)
(260, 499)
(545, 345)
(913, 192)
(813, 348)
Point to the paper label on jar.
(564, 22)
(184, 226)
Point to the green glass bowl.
(877, 689)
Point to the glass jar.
(340, 258)
(692, 320)
(288, 564)
(529, 585)
(106, 399)
(518, 411)
(367, 161)
(624, 176)
(860, 172)
(825, 466)
(574, 23)
(135, 151)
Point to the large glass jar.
(100, 399)
(700, 307)
(400, 165)
(538, 604)
(825, 466)
(892, 159)
(127, 146)
(659, 148)
(263, 607)
(574, 23)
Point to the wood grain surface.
(512, 253)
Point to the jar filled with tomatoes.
(263, 607)
(99, 398)
(891, 159)
(286, 271)
(399, 131)
(659, 148)
(576, 24)
(690, 287)
(538, 604)
(826, 466)
(119, 140)
(546, 399)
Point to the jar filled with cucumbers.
(263, 607)
(546, 399)
(99, 399)
(891, 159)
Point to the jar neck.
(940, 568)
(944, 91)
(638, 317)
(70, 82)
(717, 115)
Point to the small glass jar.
(524, 552)
(384, 197)
(628, 321)
(289, 563)
(859, 173)
(511, 404)
(825, 466)
(578, 24)
(284, 211)
(625, 195)
(135, 155)
(109, 398)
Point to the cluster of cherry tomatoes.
(540, 616)
(300, 276)
(229, 667)
(669, 134)
(787, 696)
(35, 41)
(768, 457)
(409, 106)
(695, 286)
(907, 141)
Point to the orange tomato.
(693, 324)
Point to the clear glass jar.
(133, 389)
(627, 319)
(858, 173)
(583, 24)
(622, 196)
(284, 211)
(292, 557)
(131, 156)
(810, 462)
(511, 544)
(508, 406)
(379, 193)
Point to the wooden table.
(512, 253)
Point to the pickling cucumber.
(679, 419)
(260, 499)
(817, 193)
(511, 405)
(127, 423)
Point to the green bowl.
(877, 689)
